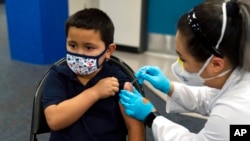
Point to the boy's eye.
(72, 45)
(89, 48)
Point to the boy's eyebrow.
(71, 41)
(89, 44)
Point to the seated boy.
(80, 98)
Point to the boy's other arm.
(64, 114)
(136, 129)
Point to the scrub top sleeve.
(166, 130)
(215, 129)
(190, 99)
(54, 89)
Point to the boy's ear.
(110, 50)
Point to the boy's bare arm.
(136, 129)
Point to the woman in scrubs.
(213, 45)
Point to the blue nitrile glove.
(135, 104)
(155, 76)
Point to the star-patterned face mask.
(83, 64)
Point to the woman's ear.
(110, 50)
(218, 64)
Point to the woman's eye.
(182, 60)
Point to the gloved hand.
(155, 76)
(135, 104)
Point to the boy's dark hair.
(92, 18)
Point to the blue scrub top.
(102, 122)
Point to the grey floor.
(18, 81)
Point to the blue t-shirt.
(102, 122)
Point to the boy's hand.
(107, 87)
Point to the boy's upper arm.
(54, 89)
(128, 120)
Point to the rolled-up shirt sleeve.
(55, 89)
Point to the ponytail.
(244, 7)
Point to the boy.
(80, 98)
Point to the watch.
(150, 118)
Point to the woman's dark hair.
(93, 18)
(234, 45)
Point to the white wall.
(125, 14)
(75, 5)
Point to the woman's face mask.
(192, 79)
(82, 64)
(195, 79)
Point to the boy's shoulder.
(113, 70)
(110, 68)
(62, 70)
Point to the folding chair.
(39, 124)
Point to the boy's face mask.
(83, 64)
(193, 79)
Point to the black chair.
(39, 124)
